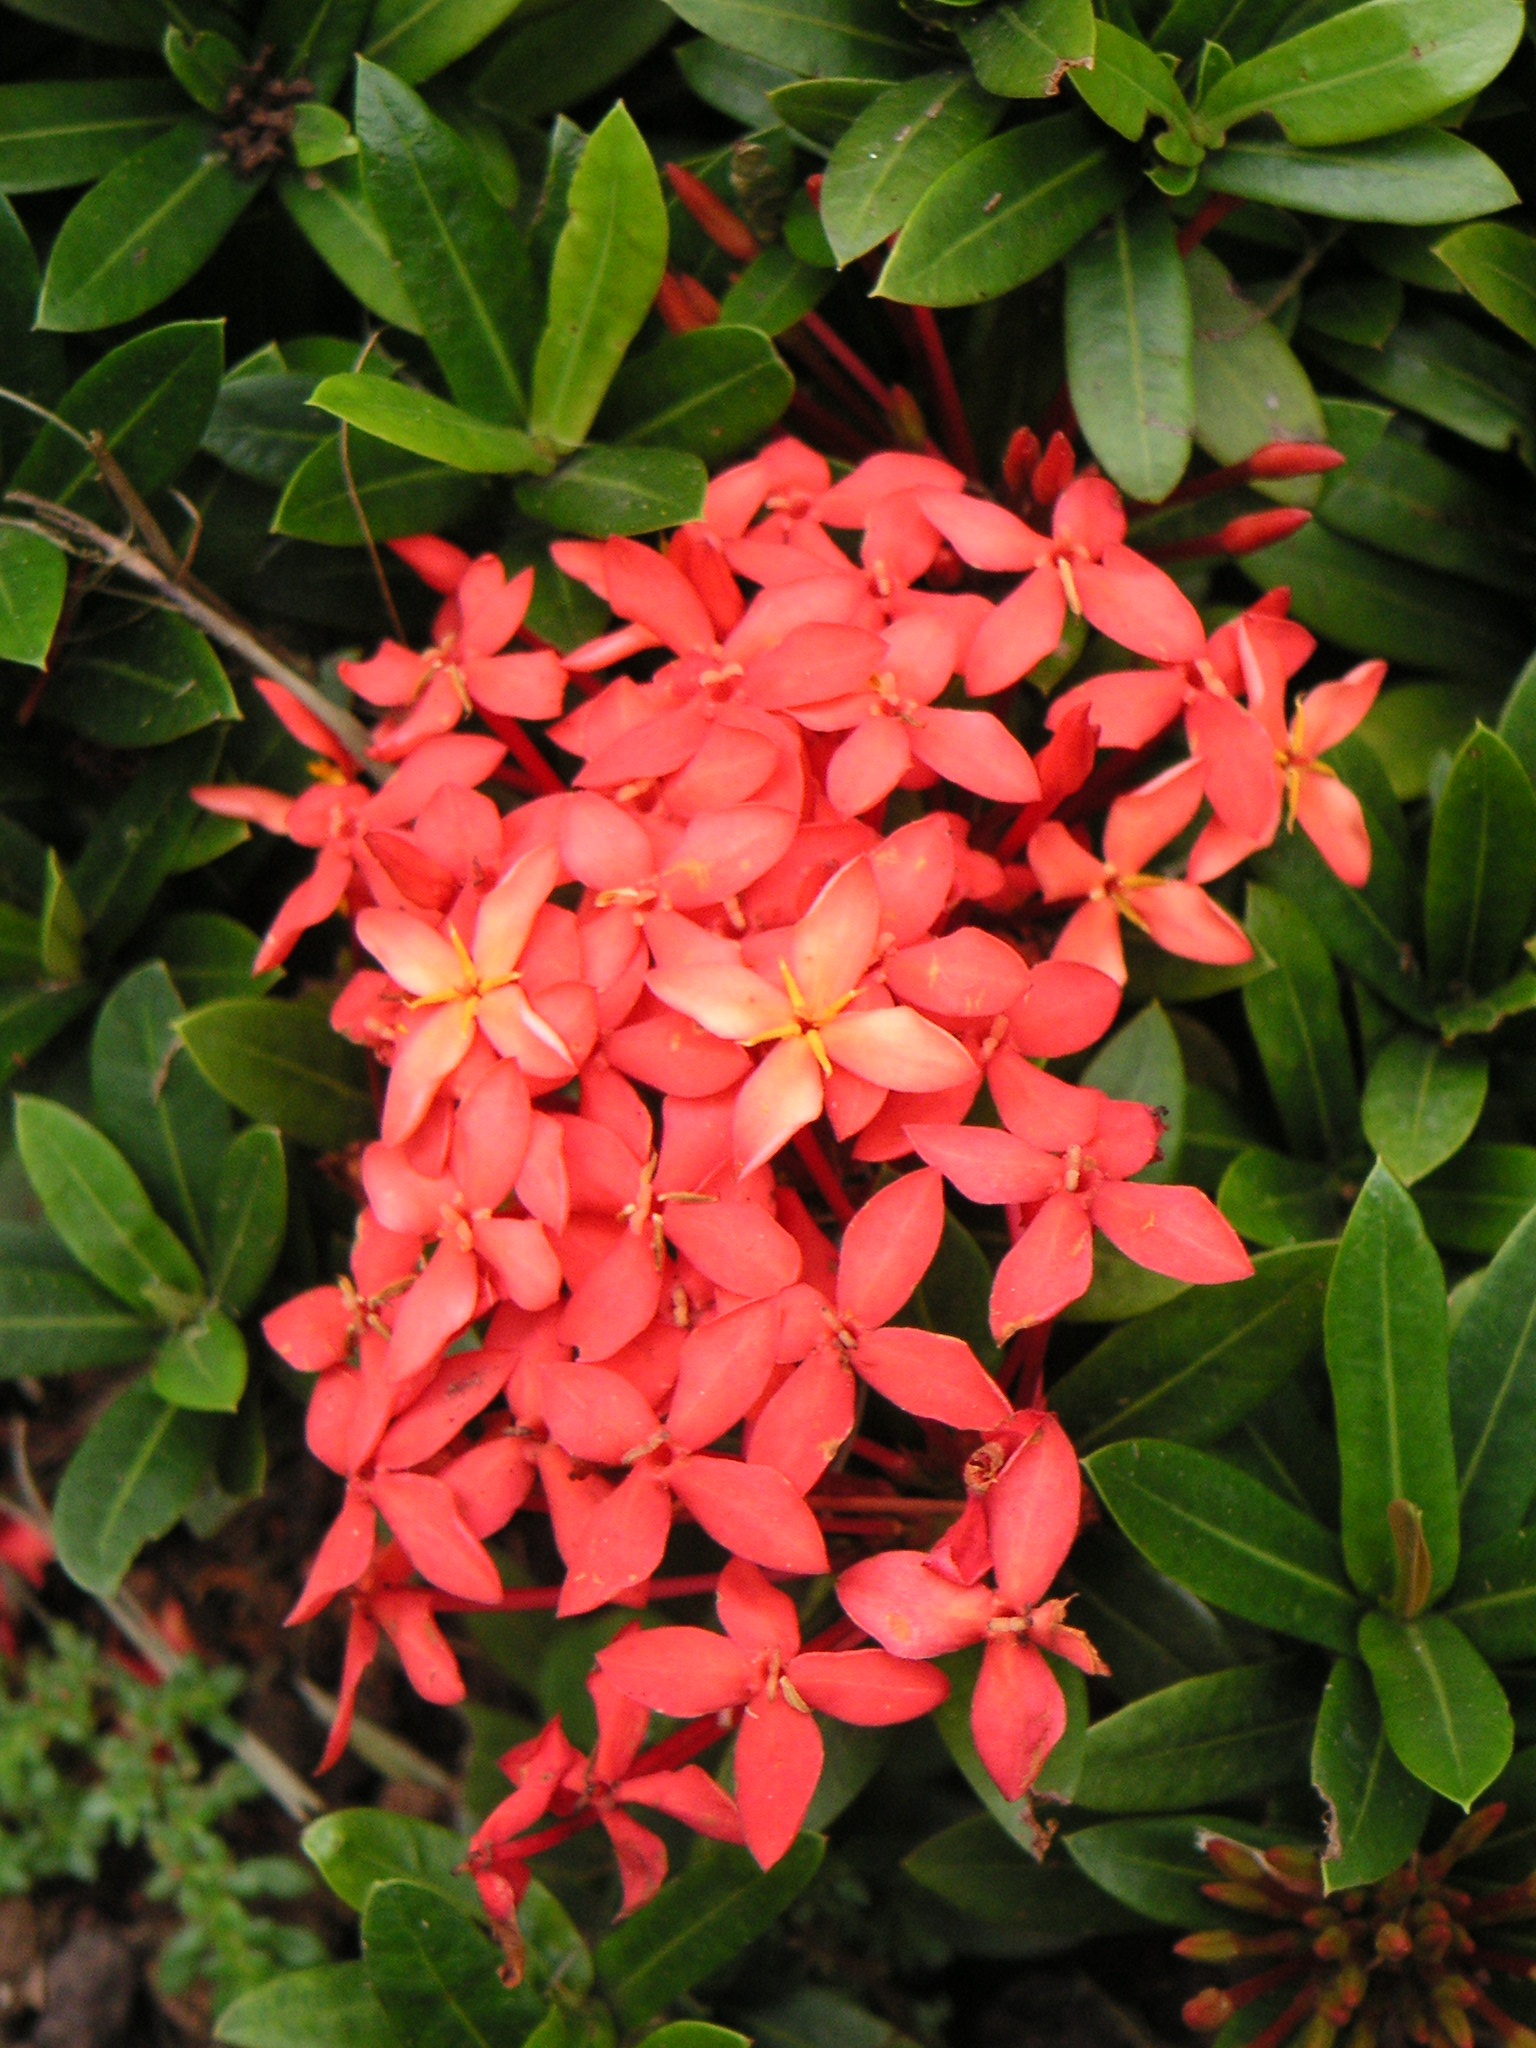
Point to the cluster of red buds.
(1408, 1959)
(655, 1024)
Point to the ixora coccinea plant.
(733, 958)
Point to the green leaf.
(463, 264)
(416, 39)
(1480, 887)
(1143, 1063)
(1229, 1539)
(314, 38)
(143, 230)
(1386, 65)
(1007, 211)
(603, 491)
(1494, 1600)
(34, 362)
(1440, 367)
(1298, 1026)
(1228, 1735)
(142, 685)
(824, 109)
(399, 493)
(695, 2034)
(1025, 48)
(140, 838)
(1404, 499)
(204, 65)
(774, 291)
(1480, 1014)
(1151, 1631)
(250, 1215)
(1497, 265)
(435, 1973)
(30, 1017)
(711, 392)
(1422, 1102)
(1423, 176)
(1445, 1712)
(1127, 83)
(262, 428)
(1156, 1867)
(72, 131)
(1376, 1811)
(697, 1922)
(1193, 1368)
(1385, 1330)
(426, 425)
(209, 954)
(821, 38)
(1493, 1392)
(974, 1867)
(59, 1321)
(149, 399)
(732, 83)
(607, 266)
(1120, 1289)
(131, 1479)
(895, 149)
(281, 1063)
(61, 925)
(32, 579)
(1249, 387)
(1275, 1199)
(203, 1366)
(814, 2017)
(1359, 309)
(95, 1202)
(362, 1846)
(330, 209)
(1130, 350)
(153, 1103)
(1473, 1203)
(329, 2006)
(561, 55)
(951, 1297)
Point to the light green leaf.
(203, 1366)
(1422, 1102)
(1441, 367)
(1423, 176)
(1127, 83)
(361, 1846)
(1025, 48)
(282, 1064)
(1376, 1810)
(418, 38)
(1497, 265)
(426, 425)
(329, 2006)
(330, 209)
(61, 926)
(894, 151)
(32, 579)
(820, 38)
(72, 131)
(130, 1480)
(1445, 1712)
(822, 110)
(1249, 387)
(204, 65)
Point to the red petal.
(362, 1643)
(931, 1375)
(968, 973)
(1141, 824)
(976, 751)
(1018, 1714)
(1139, 606)
(867, 766)
(680, 1671)
(642, 1859)
(897, 1048)
(734, 1244)
(888, 1246)
(1032, 1511)
(753, 1512)
(644, 586)
(1241, 779)
(620, 1544)
(344, 1555)
(870, 1688)
(983, 535)
(1329, 813)
(1065, 1008)
(407, 1619)
(987, 1165)
(1048, 1112)
(801, 1429)
(779, 1755)
(613, 1304)
(426, 1523)
(909, 1609)
(1022, 631)
(596, 1414)
(1050, 1266)
(689, 1795)
(1184, 920)
(433, 1313)
(757, 1617)
(723, 1368)
(1172, 1230)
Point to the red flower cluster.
(615, 1015)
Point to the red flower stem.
(953, 426)
(1211, 215)
(527, 755)
(807, 351)
(1285, 2024)
(1024, 1367)
(680, 1747)
(514, 778)
(529, 1599)
(899, 1464)
(822, 1171)
(817, 420)
(849, 360)
(548, 1838)
(880, 1504)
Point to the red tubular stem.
(953, 425)
(1210, 216)
(824, 1174)
(820, 421)
(848, 359)
(527, 756)
(880, 1504)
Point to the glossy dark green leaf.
(1128, 83)
(151, 681)
(1421, 176)
(203, 1366)
(56, 1320)
(618, 490)
(1362, 309)
(262, 427)
(815, 2017)
(1472, 1204)
(208, 955)
(1442, 367)
(150, 399)
(1249, 387)
(731, 82)
(697, 1922)
(1192, 1369)
(131, 1479)
(1216, 1130)
(436, 1973)
(561, 55)
(1025, 48)
(1150, 1630)
(1481, 882)
(1005, 212)
(281, 1064)
(1493, 1392)
(1445, 1712)
(822, 38)
(695, 2034)
(1370, 70)
(330, 209)
(774, 291)
(1142, 1063)
(1297, 1023)
(1497, 265)
(171, 1126)
(894, 151)
(361, 1846)
(399, 493)
(424, 424)
(1493, 1602)
(203, 63)
(143, 230)
(824, 109)
(974, 1867)
(1156, 1867)
(1422, 1102)
(1229, 1539)
(250, 1215)
(1227, 1735)
(32, 579)
(31, 1017)
(463, 264)
(1376, 1811)
(70, 131)
(314, 38)
(1274, 1199)
(1408, 501)
(61, 926)
(140, 838)
(711, 392)
(97, 1204)
(1130, 350)
(329, 2006)
(34, 362)
(1475, 1015)
(1411, 726)
(1385, 1332)
(1120, 1289)
(415, 39)
(607, 266)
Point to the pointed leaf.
(250, 1215)
(1249, 387)
(895, 149)
(1481, 882)
(1422, 176)
(1130, 350)
(1273, 1199)
(399, 493)
(604, 491)
(1445, 1712)
(1497, 264)
(139, 839)
(436, 1973)
(329, 2006)
(361, 1846)
(974, 1868)
(330, 209)
(1156, 1867)
(826, 39)
(1474, 1203)
(1494, 1601)
(32, 578)
(426, 425)
(418, 38)
(1150, 1631)
(1143, 1063)
(203, 1366)
(72, 131)
(130, 1480)
(1298, 1025)
(144, 684)
(1225, 1736)
(1422, 1102)
(282, 1064)
(711, 392)
(54, 1320)
(1376, 1810)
